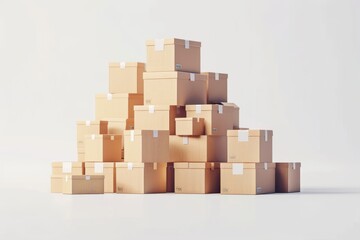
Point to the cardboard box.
(67, 168)
(236, 114)
(170, 177)
(217, 118)
(174, 88)
(249, 146)
(56, 183)
(118, 125)
(126, 77)
(166, 55)
(197, 177)
(198, 149)
(146, 146)
(106, 169)
(86, 184)
(216, 87)
(159, 117)
(247, 178)
(190, 126)
(117, 105)
(103, 148)
(287, 178)
(140, 177)
(87, 128)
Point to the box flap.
(73, 164)
(216, 76)
(181, 165)
(204, 165)
(127, 64)
(250, 132)
(203, 107)
(292, 165)
(230, 104)
(129, 165)
(175, 74)
(105, 164)
(188, 119)
(172, 41)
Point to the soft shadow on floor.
(319, 190)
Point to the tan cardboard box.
(217, 118)
(103, 148)
(56, 183)
(247, 178)
(174, 88)
(216, 87)
(236, 113)
(190, 126)
(68, 168)
(170, 175)
(126, 77)
(198, 149)
(160, 117)
(87, 128)
(287, 178)
(118, 125)
(166, 55)
(106, 169)
(146, 146)
(140, 177)
(89, 184)
(252, 146)
(117, 105)
(197, 177)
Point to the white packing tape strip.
(159, 44)
(87, 123)
(122, 65)
(212, 166)
(130, 166)
(109, 96)
(155, 133)
(220, 109)
(92, 136)
(67, 167)
(217, 76)
(185, 140)
(198, 109)
(87, 178)
(243, 135)
(266, 166)
(132, 135)
(266, 135)
(237, 168)
(192, 77)
(187, 44)
(151, 108)
(293, 166)
(112, 138)
(99, 167)
(155, 166)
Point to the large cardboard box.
(68, 168)
(216, 87)
(170, 175)
(89, 184)
(87, 128)
(140, 177)
(190, 126)
(166, 55)
(247, 178)
(126, 77)
(198, 149)
(174, 88)
(287, 178)
(146, 146)
(249, 146)
(106, 169)
(197, 177)
(236, 113)
(56, 183)
(217, 118)
(103, 148)
(117, 105)
(159, 117)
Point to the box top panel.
(230, 104)
(104, 164)
(138, 132)
(91, 123)
(152, 108)
(174, 74)
(84, 177)
(103, 136)
(251, 133)
(179, 165)
(292, 165)
(110, 96)
(120, 120)
(247, 165)
(127, 64)
(73, 164)
(173, 41)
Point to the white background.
(293, 67)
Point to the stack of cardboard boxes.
(171, 129)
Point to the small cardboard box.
(247, 178)
(126, 77)
(216, 87)
(160, 117)
(217, 118)
(86, 184)
(56, 183)
(103, 148)
(190, 126)
(146, 146)
(170, 177)
(140, 177)
(287, 178)
(68, 168)
(87, 128)
(252, 146)
(117, 105)
(118, 125)
(197, 177)
(174, 88)
(166, 55)
(106, 169)
(198, 149)
(236, 114)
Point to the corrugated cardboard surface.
(190, 126)
(288, 177)
(216, 88)
(89, 184)
(102, 148)
(107, 169)
(126, 80)
(77, 168)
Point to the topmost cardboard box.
(167, 55)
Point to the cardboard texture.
(236, 114)
(249, 146)
(216, 87)
(103, 148)
(190, 126)
(56, 183)
(158, 117)
(287, 178)
(198, 149)
(247, 178)
(117, 105)
(89, 184)
(106, 169)
(67, 168)
(197, 177)
(166, 55)
(174, 88)
(170, 175)
(87, 128)
(140, 177)
(146, 146)
(126, 77)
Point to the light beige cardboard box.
(126, 77)
(216, 87)
(170, 175)
(117, 105)
(287, 178)
(140, 177)
(217, 118)
(87, 128)
(68, 168)
(146, 146)
(56, 183)
(106, 169)
(249, 145)
(247, 178)
(166, 55)
(158, 117)
(198, 149)
(197, 177)
(190, 126)
(86, 184)
(236, 113)
(174, 88)
(103, 148)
